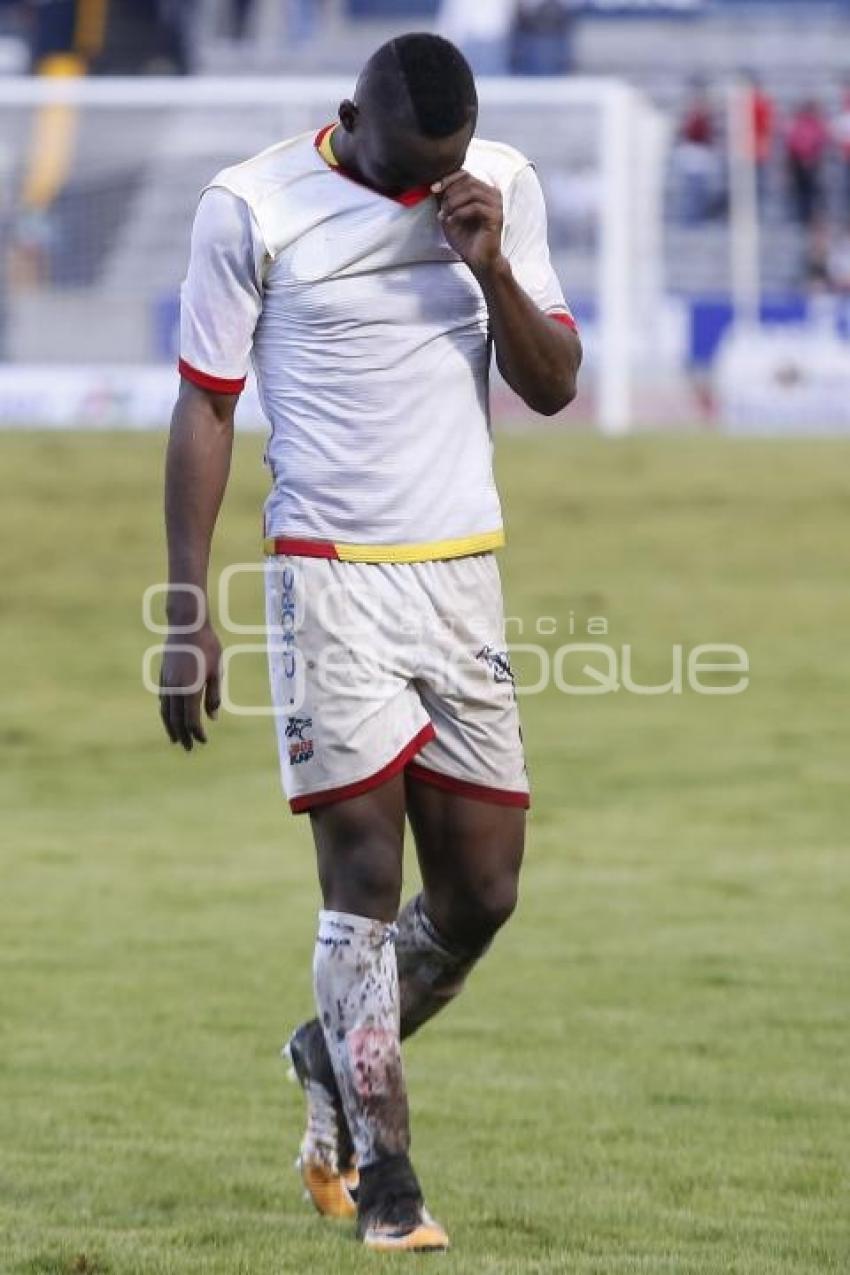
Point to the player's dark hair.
(433, 75)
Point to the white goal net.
(99, 180)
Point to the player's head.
(414, 112)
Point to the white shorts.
(375, 664)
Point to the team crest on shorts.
(300, 748)
(498, 662)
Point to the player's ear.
(348, 113)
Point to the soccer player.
(370, 270)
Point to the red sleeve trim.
(561, 316)
(310, 800)
(218, 384)
(478, 792)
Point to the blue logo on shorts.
(498, 662)
(300, 749)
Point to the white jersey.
(370, 341)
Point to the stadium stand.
(105, 226)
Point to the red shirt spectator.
(807, 135)
(698, 123)
(698, 128)
(806, 140)
(764, 121)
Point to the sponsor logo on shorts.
(296, 726)
(300, 748)
(498, 662)
(288, 629)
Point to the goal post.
(99, 179)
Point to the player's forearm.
(538, 358)
(196, 473)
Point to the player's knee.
(373, 878)
(484, 909)
(359, 871)
(497, 901)
(365, 881)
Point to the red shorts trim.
(309, 800)
(478, 792)
(218, 384)
(302, 548)
(561, 316)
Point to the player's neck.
(344, 150)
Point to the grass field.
(649, 1074)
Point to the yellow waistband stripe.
(430, 551)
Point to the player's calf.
(432, 969)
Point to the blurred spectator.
(827, 266)
(177, 20)
(838, 263)
(13, 14)
(698, 125)
(482, 29)
(124, 37)
(53, 31)
(764, 130)
(121, 37)
(303, 18)
(290, 22)
(542, 43)
(240, 13)
(14, 42)
(806, 141)
(841, 137)
(697, 164)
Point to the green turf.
(650, 1072)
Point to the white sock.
(356, 984)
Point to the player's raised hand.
(472, 216)
(190, 673)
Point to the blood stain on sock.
(379, 1082)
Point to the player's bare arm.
(197, 468)
(538, 358)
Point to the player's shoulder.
(266, 173)
(495, 162)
